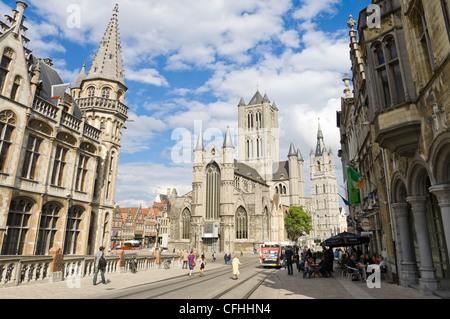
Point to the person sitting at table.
(369, 260)
(323, 268)
(352, 264)
(308, 268)
(375, 260)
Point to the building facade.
(405, 113)
(59, 146)
(237, 204)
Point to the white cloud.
(138, 182)
(310, 9)
(148, 76)
(139, 132)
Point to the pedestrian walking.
(202, 265)
(185, 259)
(213, 257)
(289, 254)
(236, 263)
(99, 265)
(191, 259)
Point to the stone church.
(241, 193)
(59, 146)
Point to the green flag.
(352, 180)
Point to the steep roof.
(107, 63)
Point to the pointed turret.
(228, 142)
(292, 151)
(241, 102)
(107, 63)
(80, 77)
(199, 146)
(299, 155)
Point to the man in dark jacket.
(289, 254)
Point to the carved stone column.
(442, 193)
(428, 281)
(408, 272)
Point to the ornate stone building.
(235, 205)
(402, 69)
(59, 146)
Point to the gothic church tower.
(100, 95)
(258, 134)
(324, 192)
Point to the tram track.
(150, 290)
(247, 295)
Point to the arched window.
(266, 225)
(212, 191)
(106, 93)
(17, 222)
(58, 166)
(47, 228)
(74, 219)
(5, 64)
(15, 88)
(91, 91)
(185, 224)
(7, 125)
(241, 224)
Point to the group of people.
(191, 259)
(355, 259)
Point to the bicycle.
(166, 263)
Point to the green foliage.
(317, 254)
(297, 223)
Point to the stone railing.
(45, 108)
(99, 102)
(17, 270)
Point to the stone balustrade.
(18, 270)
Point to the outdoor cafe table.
(315, 267)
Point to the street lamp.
(158, 225)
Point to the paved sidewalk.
(277, 286)
(84, 288)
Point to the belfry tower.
(100, 94)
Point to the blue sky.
(188, 63)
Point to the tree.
(297, 223)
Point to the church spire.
(107, 63)
(320, 148)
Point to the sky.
(187, 65)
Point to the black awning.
(345, 239)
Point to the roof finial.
(116, 8)
(351, 23)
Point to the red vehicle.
(270, 254)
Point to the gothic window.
(31, 157)
(324, 189)
(81, 172)
(74, 218)
(58, 166)
(241, 224)
(7, 125)
(265, 224)
(15, 88)
(47, 228)
(17, 222)
(212, 191)
(420, 27)
(185, 223)
(284, 190)
(91, 91)
(106, 93)
(5, 63)
(276, 189)
(382, 74)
